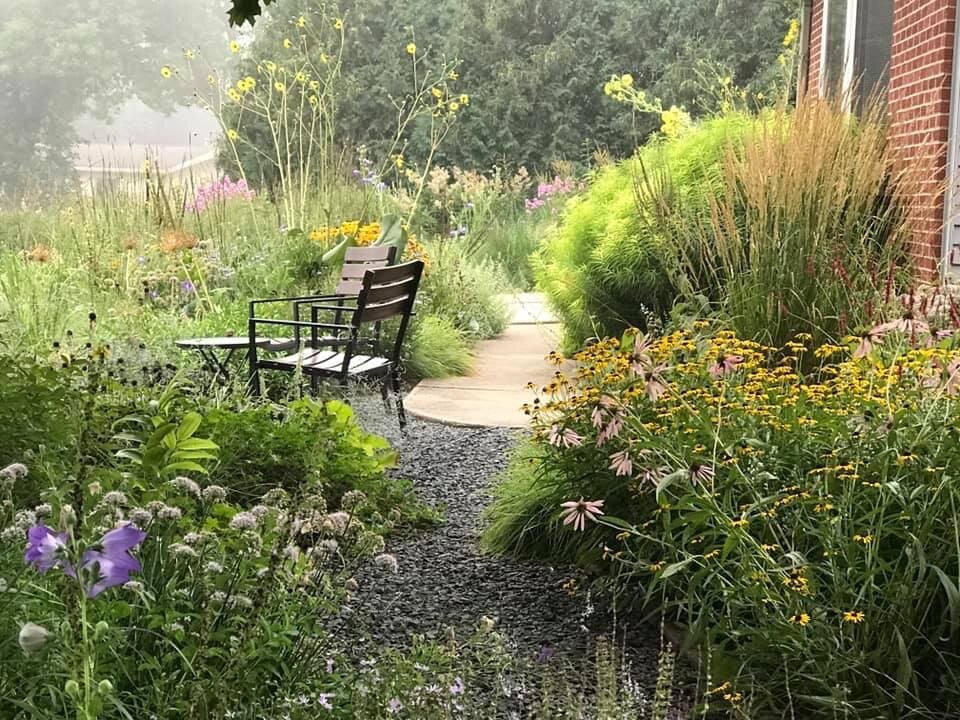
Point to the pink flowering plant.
(218, 192)
(551, 194)
(794, 507)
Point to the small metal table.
(217, 352)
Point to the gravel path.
(444, 580)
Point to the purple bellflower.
(47, 549)
(104, 565)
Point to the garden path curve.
(446, 582)
(491, 395)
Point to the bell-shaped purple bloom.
(46, 549)
(111, 560)
(104, 565)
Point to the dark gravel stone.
(445, 580)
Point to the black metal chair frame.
(356, 261)
(385, 292)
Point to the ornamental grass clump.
(808, 226)
(801, 523)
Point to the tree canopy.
(535, 69)
(51, 72)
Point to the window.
(857, 41)
(834, 44)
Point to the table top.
(225, 342)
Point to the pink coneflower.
(579, 511)
(868, 341)
(641, 361)
(700, 472)
(652, 378)
(608, 402)
(655, 474)
(621, 463)
(564, 437)
(949, 379)
(611, 430)
(597, 416)
(655, 388)
(907, 324)
(725, 364)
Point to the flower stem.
(87, 658)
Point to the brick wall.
(816, 48)
(921, 67)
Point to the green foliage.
(606, 266)
(534, 72)
(246, 11)
(465, 291)
(511, 245)
(797, 241)
(161, 445)
(302, 443)
(800, 524)
(438, 349)
(229, 608)
(39, 401)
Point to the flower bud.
(104, 688)
(72, 688)
(100, 629)
(32, 637)
(68, 518)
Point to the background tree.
(52, 72)
(534, 69)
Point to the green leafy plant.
(800, 524)
(465, 291)
(162, 444)
(607, 265)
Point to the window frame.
(848, 72)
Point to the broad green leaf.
(189, 425)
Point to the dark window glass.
(873, 47)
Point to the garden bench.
(385, 293)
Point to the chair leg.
(254, 381)
(385, 391)
(398, 393)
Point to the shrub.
(805, 230)
(437, 349)
(303, 443)
(605, 268)
(468, 292)
(802, 526)
(38, 402)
